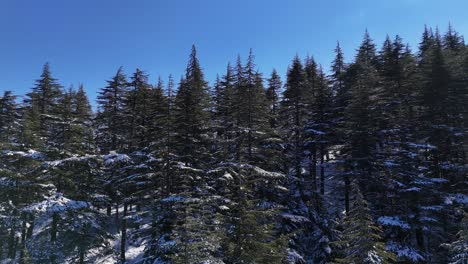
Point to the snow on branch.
(55, 204)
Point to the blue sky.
(86, 41)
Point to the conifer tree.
(338, 69)
(452, 41)
(458, 249)
(319, 125)
(136, 109)
(83, 119)
(427, 41)
(361, 240)
(273, 94)
(294, 110)
(359, 150)
(41, 109)
(109, 118)
(9, 115)
(191, 114)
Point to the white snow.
(228, 176)
(373, 258)
(432, 207)
(223, 208)
(172, 198)
(295, 218)
(314, 131)
(56, 203)
(412, 189)
(457, 198)
(393, 221)
(114, 157)
(390, 163)
(32, 154)
(4, 181)
(294, 257)
(439, 180)
(57, 163)
(404, 252)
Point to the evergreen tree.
(338, 69)
(459, 248)
(9, 116)
(41, 109)
(83, 119)
(110, 133)
(136, 109)
(272, 94)
(319, 126)
(251, 109)
(294, 110)
(452, 41)
(361, 241)
(191, 114)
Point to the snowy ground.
(134, 248)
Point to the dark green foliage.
(361, 241)
(191, 114)
(9, 115)
(41, 109)
(458, 249)
(109, 118)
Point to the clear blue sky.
(87, 40)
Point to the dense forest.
(363, 163)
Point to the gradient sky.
(85, 41)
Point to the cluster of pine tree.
(366, 164)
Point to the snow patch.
(404, 252)
(295, 218)
(393, 221)
(114, 157)
(55, 204)
(32, 154)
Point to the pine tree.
(427, 41)
(249, 220)
(272, 94)
(338, 68)
(361, 240)
(452, 41)
(83, 119)
(65, 135)
(41, 107)
(225, 118)
(9, 116)
(191, 114)
(294, 109)
(359, 150)
(109, 118)
(319, 126)
(458, 249)
(136, 110)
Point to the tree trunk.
(23, 237)
(11, 241)
(123, 240)
(313, 168)
(31, 226)
(117, 214)
(322, 170)
(82, 255)
(53, 230)
(346, 193)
